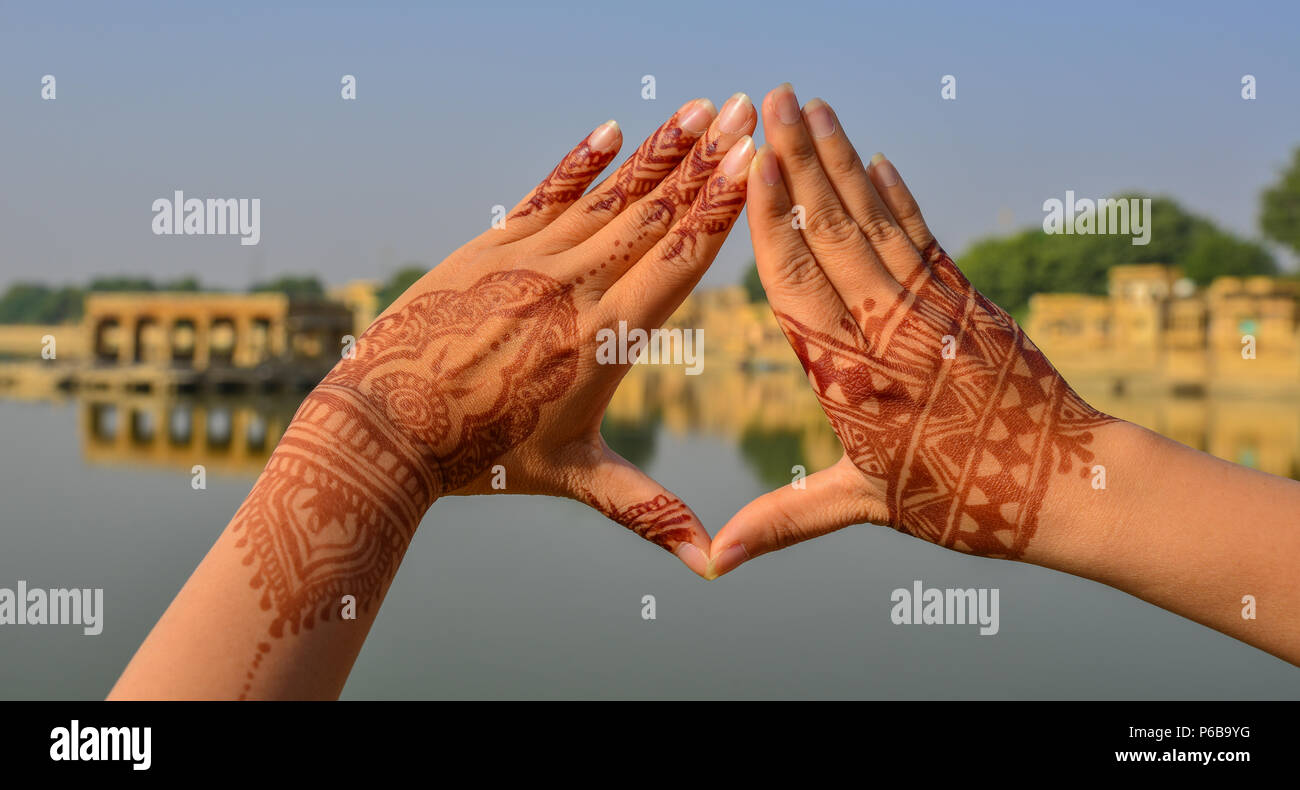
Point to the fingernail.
(605, 137)
(693, 558)
(737, 159)
(728, 560)
(886, 173)
(820, 120)
(768, 168)
(786, 104)
(735, 114)
(698, 117)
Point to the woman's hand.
(483, 376)
(955, 426)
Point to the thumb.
(834, 498)
(632, 498)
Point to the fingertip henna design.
(642, 172)
(658, 519)
(568, 180)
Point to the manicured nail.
(768, 168)
(605, 137)
(786, 104)
(737, 159)
(729, 560)
(693, 558)
(820, 120)
(735, 114)
(885, 171)
(698, 117)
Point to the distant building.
(200, 330)
(1155, 328)
(361, 297)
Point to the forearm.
(281, 604)
(1185, 531)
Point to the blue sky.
(461, 108)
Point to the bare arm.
(487, 363)
(958, 430)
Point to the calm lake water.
(513, 597)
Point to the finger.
(627, 496)
(634, 179)
(659, 281)
(849, 178)
(565, 184)
(832, 235)
(832, 499)
(898, 199)
(794, 282)
(622, 242)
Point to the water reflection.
(775, 421)
(235, 436)
(771, 416)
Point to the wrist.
(1084, 512)
(358, 435)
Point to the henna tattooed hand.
(954, 424)
(483, 376)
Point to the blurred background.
(176, 351)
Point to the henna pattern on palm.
(962, 449)
(412, 416)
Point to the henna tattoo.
(657, 520)
(424, 365)
(962, 448)
(642, 172)
(713, 213)
(419, 411)
(567, 181)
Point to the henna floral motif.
(962, 445)
(417, 412)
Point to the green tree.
(1279, 215)
(1010, 269)
(33, 303)
(122, 283)
(303, 287)
(772, 453)
(753, 284)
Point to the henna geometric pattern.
(963, 445)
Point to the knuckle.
(908, 211)
(803, 156)
(784, 530)
(654, 215)
(881, 230)
(832, 227)
(799, 275)
(845, 163)
(797, 266)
